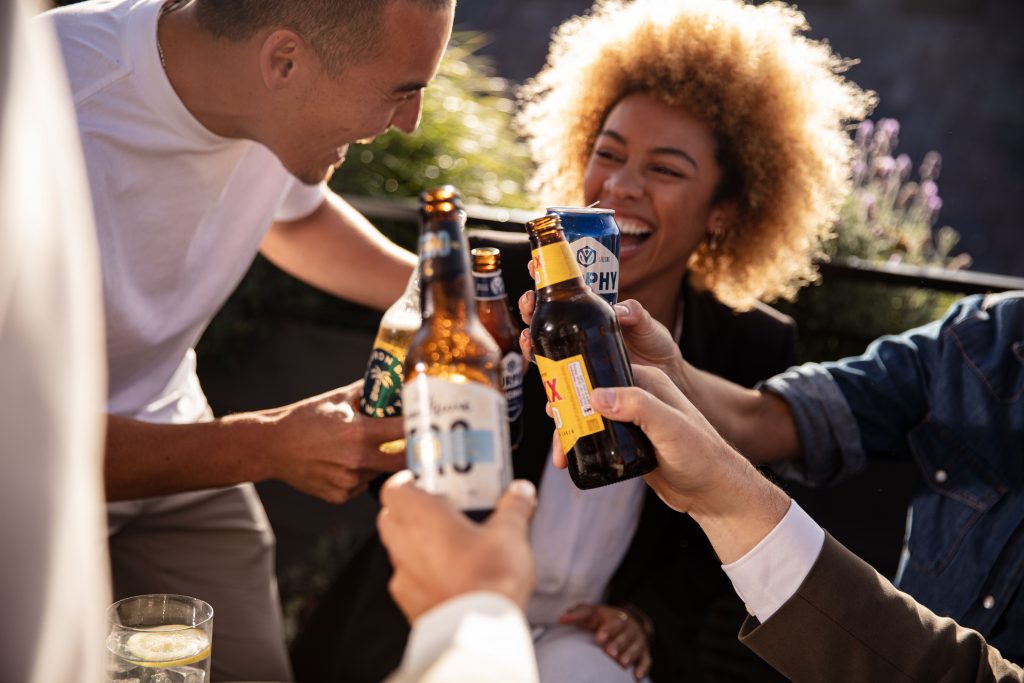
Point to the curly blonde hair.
(776, 103)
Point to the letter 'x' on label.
(553, 394)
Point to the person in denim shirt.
(947, 395)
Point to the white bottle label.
(599, 265)
(457, 441)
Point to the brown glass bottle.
(578, 347)
(453, 405)
(495, 314)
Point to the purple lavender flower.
(859, 170)
(903, 166)
(930, 166)
(864, 131)
(890, 127)
(885, 166)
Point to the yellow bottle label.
(567, 385)
(554, 263)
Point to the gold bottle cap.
(486, 259)
(443, 199)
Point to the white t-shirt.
(180, 212)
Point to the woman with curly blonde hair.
(772, 101)
(718, 134)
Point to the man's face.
(366, 99)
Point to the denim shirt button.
(941, 476)
(989, 602)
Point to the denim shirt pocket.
(961, 489)
(993, 352)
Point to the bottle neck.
(446, 282)
(489, 285)
(555, 267)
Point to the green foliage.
(888, 217)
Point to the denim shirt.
(950, 396)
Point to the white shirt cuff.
(772, 571)
(479, 631)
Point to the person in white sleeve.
(209, 128)
(817, 612)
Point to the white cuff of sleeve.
(483, 630)
(772, 571)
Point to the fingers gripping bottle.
(453, 405)
(578, 346)
(495, 314)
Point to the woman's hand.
(619, 632)
(647, 340)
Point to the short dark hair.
(341, 32)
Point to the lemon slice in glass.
(168, 645)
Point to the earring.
(714, 240)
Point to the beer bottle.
(493, 309)
(453, 407)
(578, 346)
(382, 384)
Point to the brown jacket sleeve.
(848, 623)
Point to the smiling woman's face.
(654, 164)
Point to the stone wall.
(948, 70)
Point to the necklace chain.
(166, 9)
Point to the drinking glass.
(159, 639)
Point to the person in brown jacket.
(817, 612)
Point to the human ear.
(720, 221)
(278, 58)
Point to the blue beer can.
(593, 236)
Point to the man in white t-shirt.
(209, 128)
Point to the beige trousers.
(216, 545)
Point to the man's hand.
(325, 447)
(647, 340)
(698, 472)
(439, 553)
(321, 445)
(618, 631)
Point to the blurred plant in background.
(465, 138)
(888, 217)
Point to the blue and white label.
(489, 286)
(599, 265)
(457, 440)
(512, 367)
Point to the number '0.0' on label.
(457, 442)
